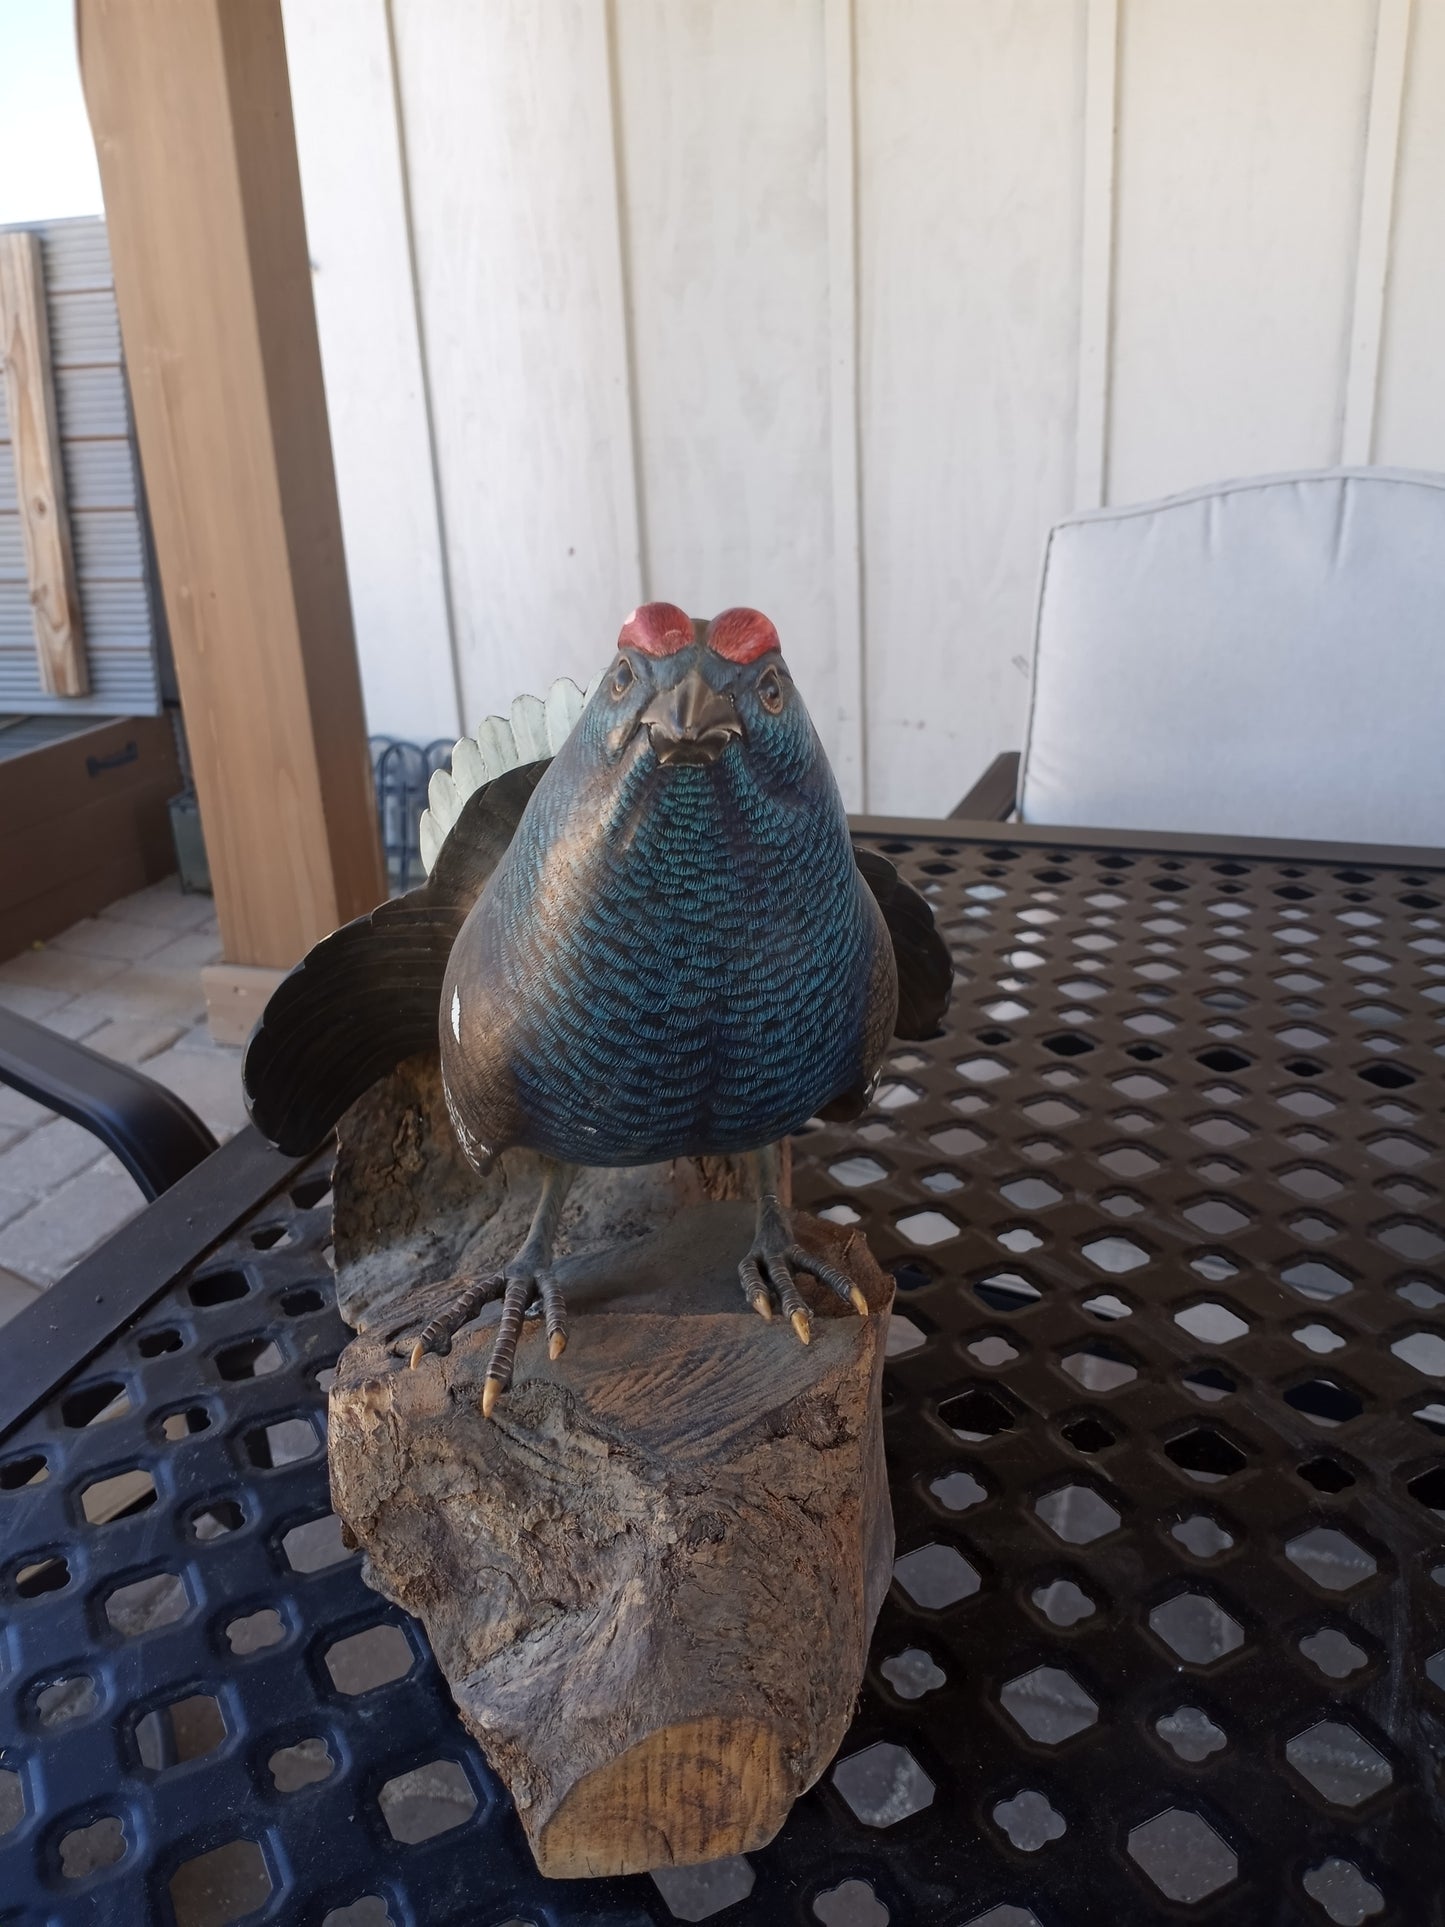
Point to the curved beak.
(691, 723)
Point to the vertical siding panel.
(1377, 206)
(1241, 147)
(725, 168)
(839, 43)
(1410, 403)
(508, 113)
(353, 186)
(969, 133)
(1091, 436)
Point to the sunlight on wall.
(47, 159)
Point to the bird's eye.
(622, 677)
(770, 691)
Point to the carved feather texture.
(536, 727)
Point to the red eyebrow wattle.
(657, 629)
(742, 635)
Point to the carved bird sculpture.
(661, 942)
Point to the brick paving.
(127, 983)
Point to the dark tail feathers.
(925, 969)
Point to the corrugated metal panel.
(76, 255)
(107, 546)
(121, 682)
(119, 633)
(84, 328)
(101, 481)
(113, 611)
(99, 475)
(91, 401)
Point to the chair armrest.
(994, 797)
(156, 1137)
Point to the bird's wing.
(369, 994)
(925, 969)
(358, 1003)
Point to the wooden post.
(191, 110)
(39, 474)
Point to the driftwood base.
(650, 1579)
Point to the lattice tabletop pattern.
(1164, 1420)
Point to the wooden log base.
(651, 1578)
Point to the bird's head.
(693, 694)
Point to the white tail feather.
(446, 804)
(529, 728)
(469, 772)
(497, 745)
(535, 728)
(432, 840)
(564, 706)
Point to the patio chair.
(156, 1136)
(1260, 657)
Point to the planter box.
(85, 822)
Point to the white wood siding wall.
(833, 306)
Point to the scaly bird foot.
(517, 1287)
(437, 1334)
(528, 1276)
(766, 1274)
(522, 1286)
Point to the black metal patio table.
(1164, 1415)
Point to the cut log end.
(687, 1794)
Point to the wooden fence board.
(40, 479)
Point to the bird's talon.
(858, 1301)
(761, 1306)
(491, 1392)
(802, 1326)
(556, 1345)
(418, 1353)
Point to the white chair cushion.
(1260, 658)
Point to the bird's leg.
(766, 1273)
(528, 1275)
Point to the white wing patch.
(536, 727)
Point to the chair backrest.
(1260, 658)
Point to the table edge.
(49, 1340)
(1056, 836)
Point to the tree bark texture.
(651, 1578)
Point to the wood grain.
(39, 472)
(659, 1804)
(651, 1578)
(192, 117)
